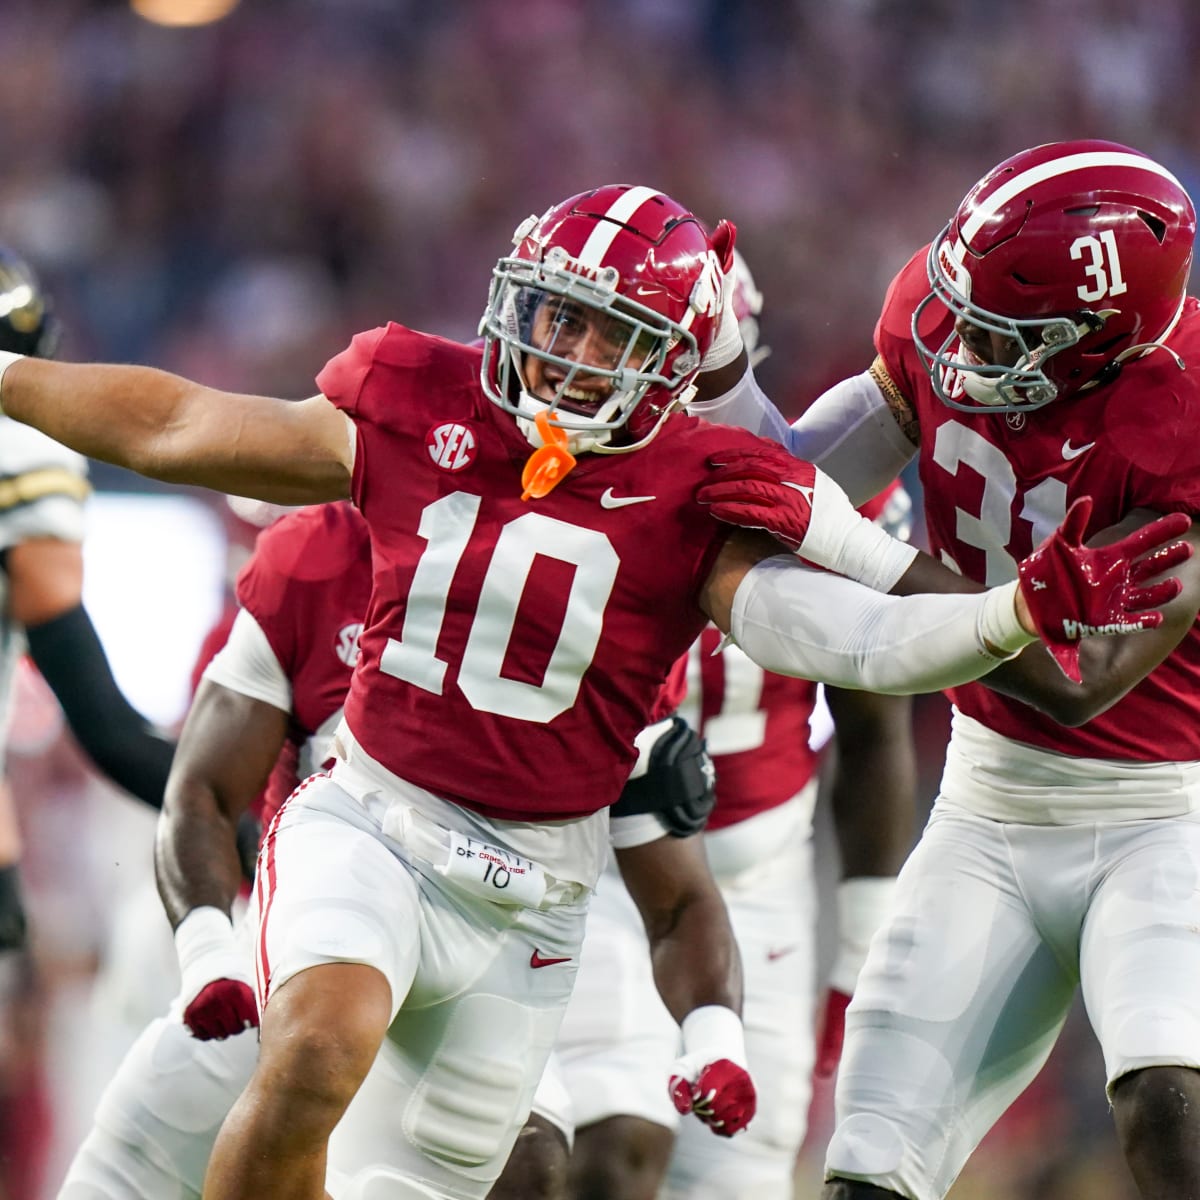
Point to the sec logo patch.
(451, 446)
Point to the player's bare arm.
(226, 751)
(695, 957)
(166, 427)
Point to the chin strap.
(550, 462)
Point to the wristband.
(7, 358)
(713, 1032)
(862, 904)
(206, 948)
(840, 539)
(1000, 629)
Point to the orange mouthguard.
(549, 462)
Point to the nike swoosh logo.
(608, 500)
(773, 955)
(807, 493)
(1069, 452)
(536, 960)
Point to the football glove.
(679, 785)
(765, 488)
(710, 1079)
(1073, 591)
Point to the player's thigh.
(773, 913)
(157, 1120)
(329, 889)
(454, 1082)
(537, 1165)
(617, 1039)
(1140, 956)
(956, 1010)
(620, 1158)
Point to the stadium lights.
(183, 12)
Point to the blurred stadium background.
(230, 190)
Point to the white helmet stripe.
(599, 240)
(1049, 170)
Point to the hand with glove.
(765, 488)
(1070, 591)
(217, 992)
(861, 905)
(710, 1079)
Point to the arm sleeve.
(117, 738)
(795, 620)
(247, 664)
(848, 431)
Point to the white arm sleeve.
(795, 620)
(851, 434)
(848, 431)
(246, 664)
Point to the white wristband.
(842, 540)
(7, 358)
(714, 1032)
(1000, 630)
(862, 904)
(207, 950)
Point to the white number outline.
(446, 526)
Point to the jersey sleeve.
(246, 664)
(893, 331)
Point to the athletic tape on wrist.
(862, 904)
(204, 931)
(714, 1032)
(998, 625)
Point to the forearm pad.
(114, 735)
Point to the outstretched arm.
(169, 428)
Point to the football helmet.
(602, 315)
(1077, 254)
(27, 324)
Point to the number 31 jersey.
(995, 485)
(512, 649)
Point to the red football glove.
(722, 1094)
(221, 1009)
(215, 992)
(1073, 590)
(833, 1033)
(764, 488)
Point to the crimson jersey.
(996, 485)
(536, 634)
(756, 726)
(307, 586)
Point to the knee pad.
(475, 1094)
(864, 1146)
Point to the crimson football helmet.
(1078, 252)
(602, 315)
(27, 324)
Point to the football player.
(266, 709)
(618, 1042)
(1039, 350)
(525, 607)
